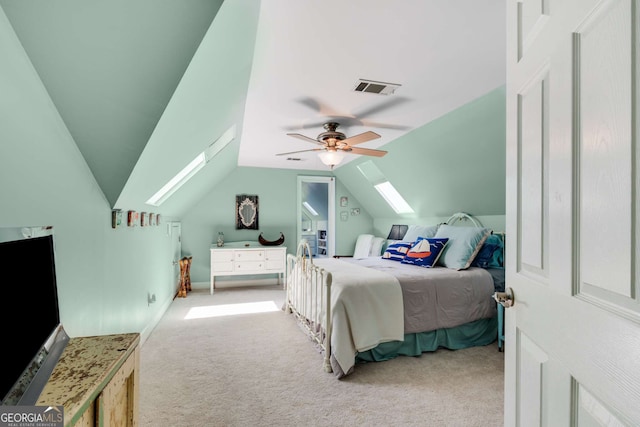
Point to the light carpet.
(260, 369)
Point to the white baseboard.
(236, 283)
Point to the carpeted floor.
(259, 369)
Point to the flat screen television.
(32, 335)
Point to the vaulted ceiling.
(144, 86)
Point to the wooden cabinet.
(96, 380)
(247, 258)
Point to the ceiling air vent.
(372, 86)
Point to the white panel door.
(573, 181)
(175, 231)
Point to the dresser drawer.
(249, 266)
(275, 255)
(248, 256)
(273, 265)
(222, 267)
(275, 259)
(221, 256)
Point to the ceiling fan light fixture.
(331, 157)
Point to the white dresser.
(247, 258)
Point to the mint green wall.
(103, 275)
(455, 163)
(277, 192)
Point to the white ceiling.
(145, 86)
(309, 55)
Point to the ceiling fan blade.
(301, 151)
(305, 138)
(366, 151)
(360, 138)
(392, 102)
(370, 124)
(317, 106)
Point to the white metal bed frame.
(309, 293)
(309, 297)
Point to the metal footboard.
(309, 297)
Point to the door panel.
(604, 89)
(572, 350)
(175, 230)
(533, 107)
(530, 377)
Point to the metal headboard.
(462, 216)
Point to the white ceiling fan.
(334, 144)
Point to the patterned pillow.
(425, 252)
(396, 251)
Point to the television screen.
(29, 313)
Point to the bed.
(375, 308)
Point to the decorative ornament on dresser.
(277, 242)
(220, 242)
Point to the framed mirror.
(246, 212)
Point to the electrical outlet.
(151, 298)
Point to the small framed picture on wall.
(132, 218)
(116, 218)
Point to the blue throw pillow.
(425, 252)
(485, 257)
(396, 251)
(497, 260)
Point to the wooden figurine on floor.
(184, 272)
(188, 275)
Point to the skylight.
(192, 168)
(393, 198)
(178, 181)
(388, 192)
(310, 208)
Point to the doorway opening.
(316, 214)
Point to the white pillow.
(363, 246)
(376, 246)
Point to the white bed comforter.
(367, 309)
